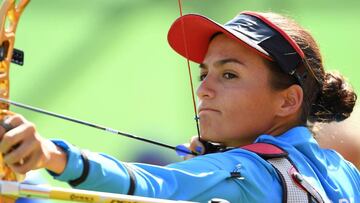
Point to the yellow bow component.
(10, 12)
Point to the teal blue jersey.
(211, 176)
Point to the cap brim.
(198, 31)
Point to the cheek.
(245, 114)
(249, 110)
(248, 103)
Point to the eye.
(229, 75)
(202, 76)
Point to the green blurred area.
(108, 62)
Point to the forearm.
(105, 173)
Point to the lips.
(208, 109)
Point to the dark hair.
(327, 96)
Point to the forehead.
(222, 47)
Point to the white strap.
(294, 193)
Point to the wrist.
(57, 159)
(74, 163)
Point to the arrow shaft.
(74, 120)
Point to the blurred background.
(108, 62)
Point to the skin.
(340, 136)
(24, 149)
(344, 137)
(236, 101)
(236, 104)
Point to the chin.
(210, 137)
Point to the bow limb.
(10, 12)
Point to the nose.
(206, 89)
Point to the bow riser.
(9, 14)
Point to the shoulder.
(228, 160)
(248, 164)
(255, 178)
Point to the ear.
(290, 101)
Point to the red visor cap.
(198, 31)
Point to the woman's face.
(236, 102)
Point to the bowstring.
(189, 71)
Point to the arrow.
(178, 149)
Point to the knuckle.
(30, 128)
(15, 120)
(19, 117)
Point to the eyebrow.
(222, 62)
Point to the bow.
(10, 13)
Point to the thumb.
(196, 145)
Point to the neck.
(282, 125)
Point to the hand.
(196, 146)
(201, 147)
(24, 149)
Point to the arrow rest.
(17, 55)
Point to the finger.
(19, 154)
(4, 126)
(15, 120)
(196, 145)
(13, 138)
(26, 165)
(30, 162)
(9, 122)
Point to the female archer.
(262, 83)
